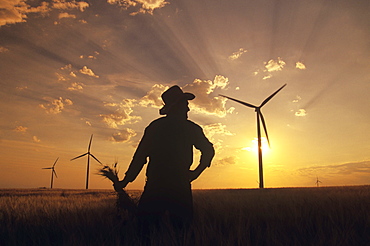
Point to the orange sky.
(70, 69)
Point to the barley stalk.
(124, 200)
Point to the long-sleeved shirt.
(168, 143)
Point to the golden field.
(282, 216)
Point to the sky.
(70, 69)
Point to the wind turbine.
(260, 119)
(52, 172)
(318, 181)
(88, 153)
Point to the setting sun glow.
(254, 146)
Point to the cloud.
(267, 76)
(151, 5)
(216, 128)
(66, 15)
(88, 72)
(62, 4)
(297, 99)
(16, 11)
(13, 11)
(3, 49)
(230, 160)
(343, 169)
(301, 112)
(123, 135)
(237, 54)
(87, 122)
(121, 115)
(21, 129)
(76, 87)
(269, 67)
(42, 9)
(56, 106)
(300, 65)
(21, 88)
(67, 73)
(153, 97)
(60, 77)
(36, 140)
(273, 66)
(67, 67)
(96, 53)
(204, 102)
(139, 6)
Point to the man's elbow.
(208, 155)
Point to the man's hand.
(193, 175)
(120, 185)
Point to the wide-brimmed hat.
(172, 96)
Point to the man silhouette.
(168, 142)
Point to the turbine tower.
(53, 172)
(88, 153)
(260, 119)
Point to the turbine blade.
(264, 127)
(79, 156)
(47, 168)
(88, 148)
(96, 158)
(55, 173)
(55, 161)
(272, 95)
(241, 102)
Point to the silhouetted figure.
(168, 142)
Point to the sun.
(254, 146)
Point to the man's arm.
(207, 154)
(138, 161)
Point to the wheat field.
(284, 216)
